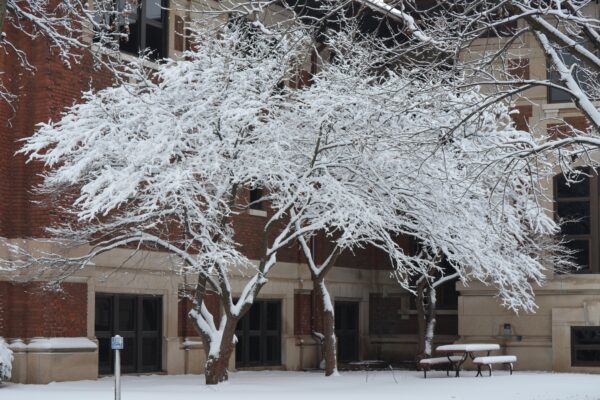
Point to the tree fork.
(215, 369)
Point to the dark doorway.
(139, 320)
(259, 335)
(346, 330)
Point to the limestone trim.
(563, 319)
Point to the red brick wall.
(302, 313)
(562, 130)
(521, 119)
(384, 318)
(317, 312)
(185, 326)
(308, 313)
(249, 233)
(28, 310)
(519, 68)
(362, 258)
(3, 290)
(42, 96)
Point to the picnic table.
(458, 353)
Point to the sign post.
(117, 345)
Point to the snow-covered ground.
(312, 386)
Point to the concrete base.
(56, 364)
(540, 340)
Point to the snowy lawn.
(311, 386)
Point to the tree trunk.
(329, 341)
(421, 319)
(431, 309)
(217, 359)
(216, 365)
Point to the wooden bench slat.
(495, 360)
(439, 360)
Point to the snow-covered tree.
(69, 26)
(482, 42)
(476, 43)
(428, 164)
(369, 152)
(162, 162)
(6, 358)
(203, 130)
(485, 40)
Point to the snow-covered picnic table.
(458, 353)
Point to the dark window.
(255, 199)
(259, 335)
(138, 319)
(346, 330)
(585, 346)
(575, 217)
(147, 28)
(576, 188)
(576, 209)
(447, 296)
(583, 78)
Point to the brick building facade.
(569, 302)
(377, 317)
(63, 335)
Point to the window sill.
(257, 213)
(438, 311)
(122, 56)
(552, 110)
(577, 274)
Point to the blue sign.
(116, 343)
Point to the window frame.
(141, 29)
(255, 324)
(136, 333)
(550, 77)
(593, 236)
(575, 347)
(255, 199)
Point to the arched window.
(577, 209)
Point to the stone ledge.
(54, 345)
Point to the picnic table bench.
(490, 360)
(427, 363)
(457, 354)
